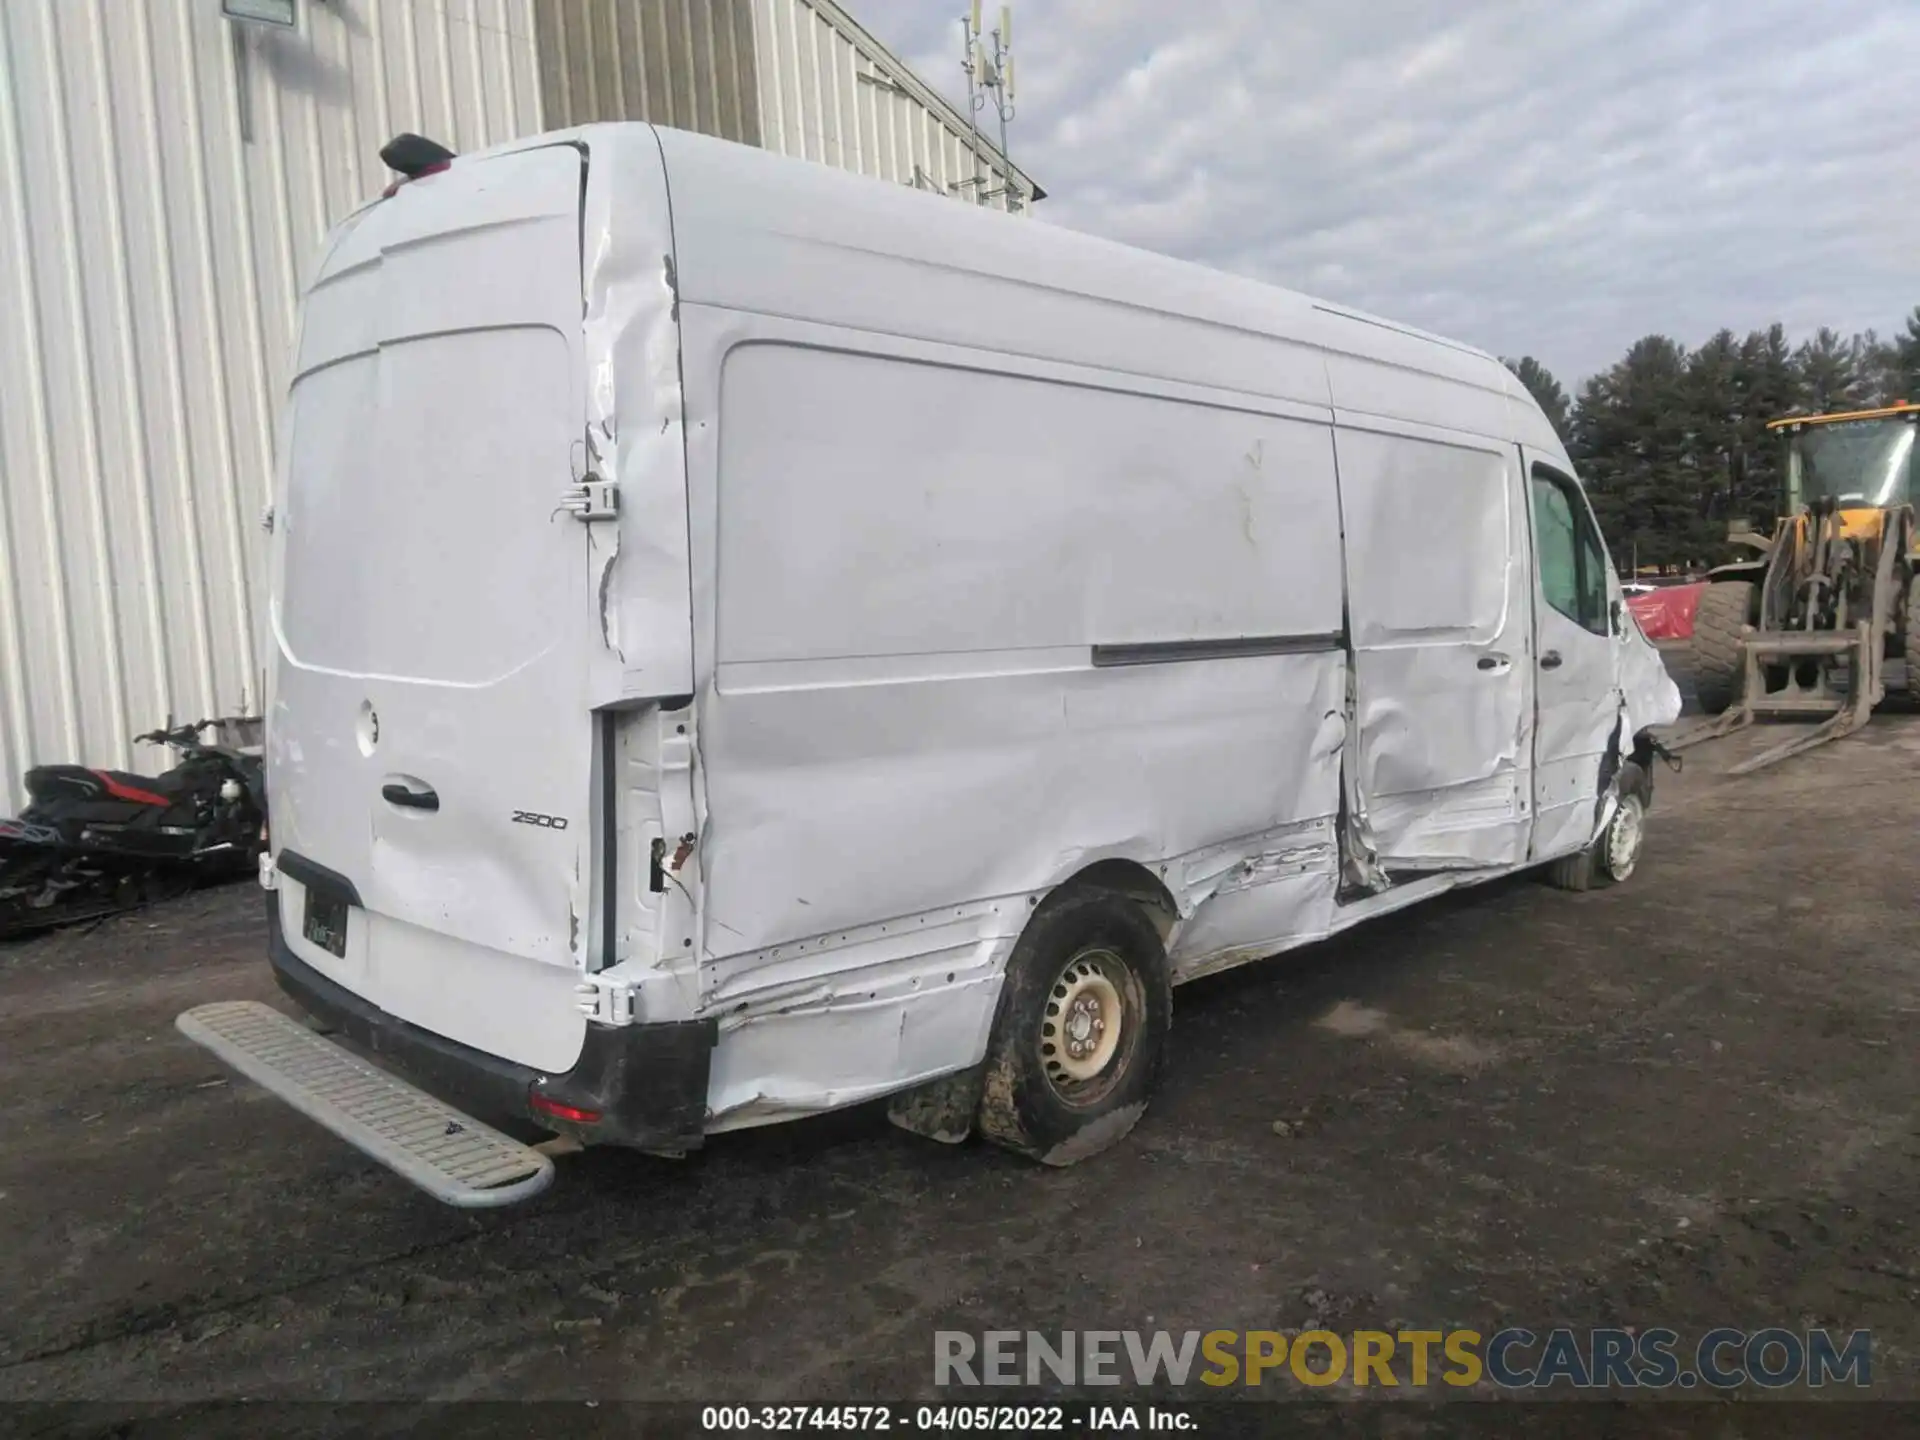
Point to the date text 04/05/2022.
(1020, 1419)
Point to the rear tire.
(1080, 1030)
(1722, 614)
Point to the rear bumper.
(647, 1083)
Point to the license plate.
(326, 923)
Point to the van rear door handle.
(411, 799)
(1494, 661)
(1550, 660)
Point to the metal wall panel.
(800, 77)
(831, 92)
(165, 178)
(689, 64)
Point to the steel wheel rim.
(1624, 837)
(1088, 1026)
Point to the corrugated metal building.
(166, 174)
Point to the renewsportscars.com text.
(1513, 1358)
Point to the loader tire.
(1912, 651)
(1717, 623)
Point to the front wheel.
(1080, 1029)
(1615, 854)
(1620, 845)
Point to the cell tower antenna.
(969, 43)
(987, 58)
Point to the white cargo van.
(748, 639)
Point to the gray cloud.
(1547, 179)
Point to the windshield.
(1856, 462)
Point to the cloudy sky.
(1554, 179)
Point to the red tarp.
(1667, 613)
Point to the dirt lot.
(1688, 1102)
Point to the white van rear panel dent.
(635, 420)
(843, 1017)
(801, 1063)
(995, 786)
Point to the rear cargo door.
(431, 740)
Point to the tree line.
(1672, 443)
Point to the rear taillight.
(542, 1105)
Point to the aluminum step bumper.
(451, 1156)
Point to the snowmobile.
(93, 843)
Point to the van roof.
(823, 204)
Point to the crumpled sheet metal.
(968, 785)
(816, 1016)
(1648, 695)
(828, 1018)
(1439, 745)
(634, 426)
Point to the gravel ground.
(1686, 1101)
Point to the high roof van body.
(748, 639)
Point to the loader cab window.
(1856, 463)
(1567, 552)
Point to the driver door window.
(1567, 550)
(1576, 691)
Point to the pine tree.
(1768, 384)
(1879, 377)
(1715, 412)
(1673, 445)
(1545, 390)
(1902, 373)
(1831, 373)
(1632, 434)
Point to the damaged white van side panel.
(1002, 574)
(781, 597)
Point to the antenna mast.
(989, 67)
(969, 36)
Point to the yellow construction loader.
(1803, 630)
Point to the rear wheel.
(1081, 1025)
(1722, 614)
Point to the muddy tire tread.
(1015, 1112)
(1717, 623)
